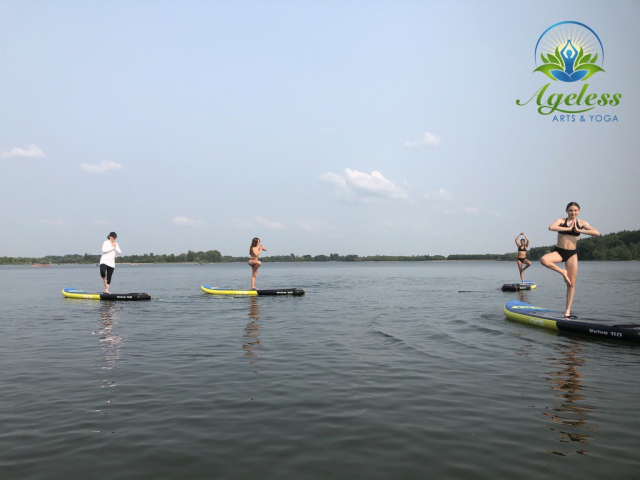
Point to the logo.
(569, 52)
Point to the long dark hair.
(571, 204)
(254, 243)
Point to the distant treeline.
(212, 256)
(623, 245)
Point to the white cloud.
(427, 140)
(438, 196)
(54, 223)
(238, 223)
(270, 224)
(339, 185)
(463, 210)
(364, 187)
(257, 221)
(311, 225)
(103, 167)
(33, 151)
(335, 180)
(374, 184)
(187, 222)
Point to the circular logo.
(570, 51)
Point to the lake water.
(382, 371)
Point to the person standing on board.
(523, 263)
(108, 259)
(254, 263)
(569, 229)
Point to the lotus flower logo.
(569, 52)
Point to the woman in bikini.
(569, 229)
(254, 263)
(523, 263)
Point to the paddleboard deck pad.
(541, 317)
(296, 292)
(516, 287)
(81, 294)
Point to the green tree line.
(213, 256)
(623, 245)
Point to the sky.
(365, 127)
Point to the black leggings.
(106, 271)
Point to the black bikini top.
(577, 225)
(522, 249)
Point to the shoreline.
(40, 265)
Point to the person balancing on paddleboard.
(254, 263)
(569, 229)
(108, 259)
(522, 261)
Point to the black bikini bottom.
(565, 254)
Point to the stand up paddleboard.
(296, 292)
(516, 287)
(541, 317)
(81, 294)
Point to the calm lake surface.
(382, 371)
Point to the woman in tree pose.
(108, 259)
(255, 250)
(569, 229)
(522, 261)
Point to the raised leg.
(549, 260)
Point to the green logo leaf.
(579, 58)
(546, 69)
(552, 59)
(591, 68)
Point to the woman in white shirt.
(108, 259)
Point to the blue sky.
(352, 127)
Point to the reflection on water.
(570, 414)
(110, 342)
(251, 338)
(183, 404)
(110, 345)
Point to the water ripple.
(381, 371)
